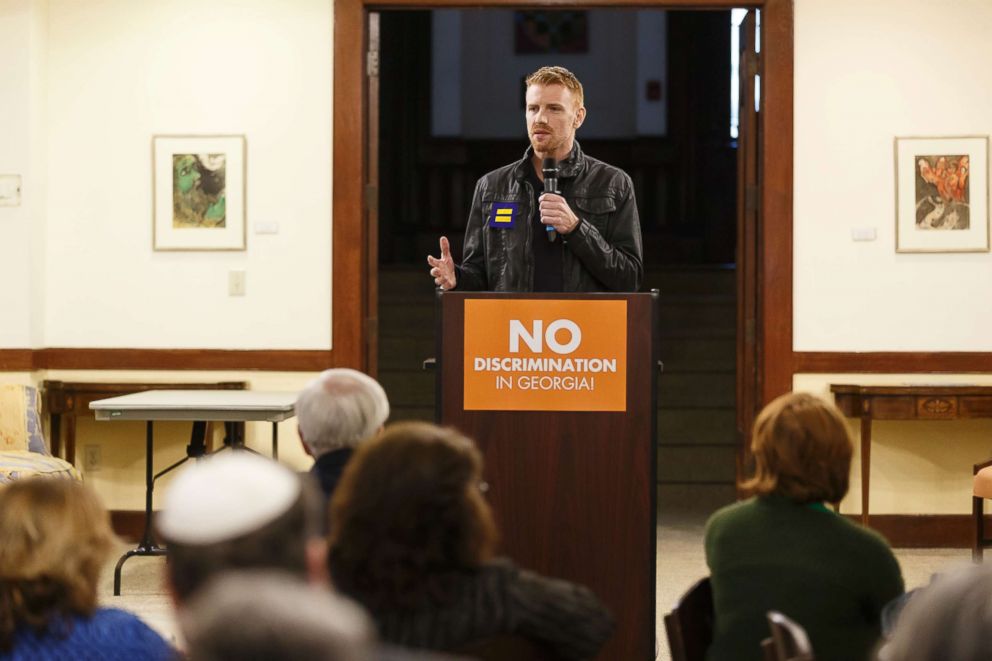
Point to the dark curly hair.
(408, 516)
(55, 536)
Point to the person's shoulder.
(616, 176)
(499, 174)
(728, 514)
(126, 625)
(860, 534)
(114, 617)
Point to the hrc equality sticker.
(503, 215)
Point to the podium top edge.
(654, 293)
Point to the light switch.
(267, 227)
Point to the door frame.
(352, 321)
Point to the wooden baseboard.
(925, 530)
(902, 530)
(128, 524)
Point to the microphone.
(549, 167)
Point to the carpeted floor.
(680, 563)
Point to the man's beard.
(552, 143)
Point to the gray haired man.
(335, 412)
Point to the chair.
(507, 646)
(981, 488)
(690, 624)
(788, 642)
(23, 451)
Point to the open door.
(748, 229)
(371, 290)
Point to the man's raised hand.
(443, 269)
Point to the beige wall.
(94, 81)
(23, 62)
(917, 467)
(866, 72)
(120, 480)
(86, 86)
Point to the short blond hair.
(56, 536)
(558, 76)
(802, 450)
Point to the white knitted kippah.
(226, 496)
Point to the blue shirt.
(109, 634)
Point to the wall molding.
(279, 360)
(16, 360)
(891, 362)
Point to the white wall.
(23, 45)
(867, 72)
(120, 72)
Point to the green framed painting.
(198, 192)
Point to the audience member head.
(409, 510)
(802, 450)
(238, 510)
(243, 616)
(949, 619)
(339, 409)
(55, 536)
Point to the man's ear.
(303, 442)
(580, 117)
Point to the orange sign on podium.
(545, 355)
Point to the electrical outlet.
(236, 283)
(92, 458)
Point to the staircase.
(696, 453)
(696, 391)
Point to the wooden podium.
(570, 464)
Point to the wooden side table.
(908, 402)
(68, 400)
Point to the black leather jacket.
(602, 253)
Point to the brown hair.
(408, 515)
(558, 76)
(55, 535)
(802, 450)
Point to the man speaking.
(555, 221)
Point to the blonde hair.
(558, 76)
(55, 535)
(802, 450)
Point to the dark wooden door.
(371, 297)
(748, 242)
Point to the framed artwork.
(942, 197)
(550, 32)
(198, 191)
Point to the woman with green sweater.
(784, 550)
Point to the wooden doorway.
(353, 309)
(769, 272)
